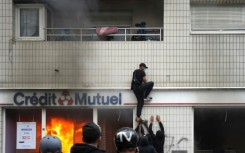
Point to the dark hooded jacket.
(145, 147)
(85, 148)
(159, 138)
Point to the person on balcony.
(140, 32)
(141, 87)
(142, 28)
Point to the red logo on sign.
(65, 98)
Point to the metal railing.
(89, 34)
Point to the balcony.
(91, 34)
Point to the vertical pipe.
(134, 116)
(95, 115)
(193, 128)
(43, 122)
(3, 129)
(81, 34)
(160, 34)
(125, 34)
(46, 33)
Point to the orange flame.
(64, 129)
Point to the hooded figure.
(145, 147)
(149, 139)
(159, 138)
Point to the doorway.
(219, 130)
(110, 121)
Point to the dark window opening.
(219, 130)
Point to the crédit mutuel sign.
(66, 98)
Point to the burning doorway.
(67, 125)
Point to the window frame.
(212, 32)
(42, 21)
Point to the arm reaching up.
(160, 123)
(161, 127)
(150, 128)
(161, 134)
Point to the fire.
(64, 129)
(68, 132)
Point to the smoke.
(72, 14)
(79, 6)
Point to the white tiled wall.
(178, 124)
(5, 37)
(181, 60)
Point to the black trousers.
(142, 92)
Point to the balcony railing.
(89, 34)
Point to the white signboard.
(121, 97)
(26, 135)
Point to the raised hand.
(152, 119)
(158, 118)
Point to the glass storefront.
(65, 124)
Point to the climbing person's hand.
(137, 119)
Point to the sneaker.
(148, 98)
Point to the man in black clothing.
(91, 136)
(142, 127)
(141, 87)
(145, 147)
(159, 138)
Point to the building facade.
(57, 69)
